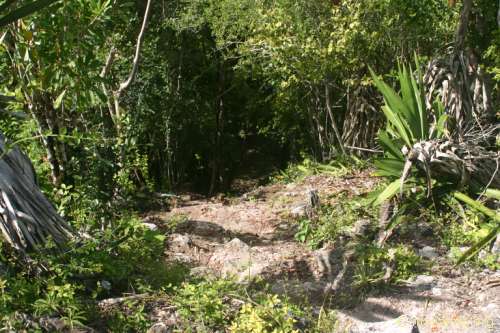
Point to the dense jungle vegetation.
(123, 107)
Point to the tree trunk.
(332, 118)
(217, 167)
(463, 25)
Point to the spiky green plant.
(416, 134)
(408, 123)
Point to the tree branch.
(124, 85)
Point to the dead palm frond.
(27, 218)
(362, 120)
(459, 83)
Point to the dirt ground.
(252, 235)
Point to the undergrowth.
(129, 260)
(339, 167)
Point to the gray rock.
(159, 328)
(299, 211)
(206, 229)
(495, 249)
(237, 259)
(182, 258)
(106, 285)
(150, 226)
(299, 290)
(53, 324)
(403, 324)
(423, 282)
(179, 243)
(200, 271)
(428, 252)
(232, 257)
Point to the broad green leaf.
(474, 204)
(420, 111)
(479, 245)
(388, 143)
(390, 191)
(393, 108)
(492, 193)
(389, 167)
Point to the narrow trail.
(252, 237)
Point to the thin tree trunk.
(217, 167)
(463, 25)
(332, 118)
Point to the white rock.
(496, 246)
(150, 226)
(179, 243)
(106, 285)
(232, 258)
(423, 282)
(403, 324)
(437, 291)
(159, 328)
(428, 252)
(491, 308)
(299, 211)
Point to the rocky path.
(252, 237)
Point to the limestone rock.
(150, 226)
(159, 328)
(496, 246)
(423, 282)
(179, 242)
(428, 252)
(236, 259)
(403, 324)
(299, 211)
(205, 229)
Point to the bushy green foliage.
(334, 220)
(205, 306)
(131, 319)
(373, 261)
(126, 258)
(271, 315)
(339, 167)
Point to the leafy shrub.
(372, 262)
(271, 315)
(333, 220)
(127, 258)
(339, 167)
(204, 306)
(132, 319)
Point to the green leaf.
(492, 193)
(479, 245)
(474, 204)
(59, 100)
(390, 191)
(389, 167)
(420, 111)
(390, 146)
